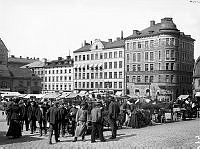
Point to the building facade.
(99, 66)
(159, 61)
(196, 78)
(57, 75)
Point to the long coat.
(53, 116)
(31, 112)
(113, 110)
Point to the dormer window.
(96, 47)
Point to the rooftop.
(60, 62)
(36, 64)
(20, 59)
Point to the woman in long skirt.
(14, 130)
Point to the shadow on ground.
(121, 136)
(26, 138)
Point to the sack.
(80, 128)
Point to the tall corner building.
(99, 66)
(159, 61)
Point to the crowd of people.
(61, 118)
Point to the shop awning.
(64, 94)
(182, 97)
(52, 95)
(10, 94)
(118, 93)
(71, 95)
(197, 94)
(34, 95)
(82, 93)
(95, 65)
(100, 65)
(91, 65)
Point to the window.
(110, 75)
(120, 54)
(83, 84)
(110, 54)
(92, 75)
(70, 70)
(96, 85)
(138, 79)
(101, 55)
(127, 68)
(151, 79)
(79, 57)
(138, 57)
(138, 67)
(105, 65)
(61, 71)
(167, 54)
(105, 75)
(96, 75)
(110, 65)
(146, 56)
(167, 41)
(96, 56)
(115, 75)
(115, 54)
(159, 55)
(172, 66)
(146, 44)
(172, 78)
(115, 64)
(120, 64)
(76, 58)
(101, 75)
(172, 55)
(133, 79)
(56, 78)
(151, 67)
(120, 84)
(83, 57)
(115, 84)
(172, 42)
(146, 79)
(127, 78)
(151, 43)
(79, 75)
(75, 84)
(167, 66)
(96, 47)
(49, 79)
(134, 45)
(88, 57)
(83, 75)
(167, 78)
(127, 57)
(105, 56)
(49, 71)
(127, 46)
(146, 67)
(134, 67)
(159, 78)
(151, 56)
(139, 45)
(88, 76)
(70, 78)
(88, 85)
(79, 84)
(159, 66)
(92, 56)
(134, 57)
(120, 74)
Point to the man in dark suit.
(114, 110)
(62, 123)
(24, 109)
(53, 119)
(31, 116)
(41, 118)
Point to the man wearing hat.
(53, 119)
(97, 122)
(31, 116)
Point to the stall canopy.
(182, 97)
(64, 95)
(82, 93)
(52, 95)
(197, 94)
(34, 95)
(10, 94)
(118, 93)
(72, 95)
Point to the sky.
(55, 28)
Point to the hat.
(15, 99)
(97, 104)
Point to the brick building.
(159, 61)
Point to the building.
(196, 78)
(14, 78)
(159, 61)
(99, 66)
(58, 75)
(20, 61)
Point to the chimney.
(12, 56)
(118, 38)
(122, 35)
(27, 57)
(152, 23)
(34, 58)
(135, 32)
(166, 20)
(59, 58)
(20, 57)
(91, 42)
(84, 43)
(38, 59)
(109, 40)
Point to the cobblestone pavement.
(178, 135)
